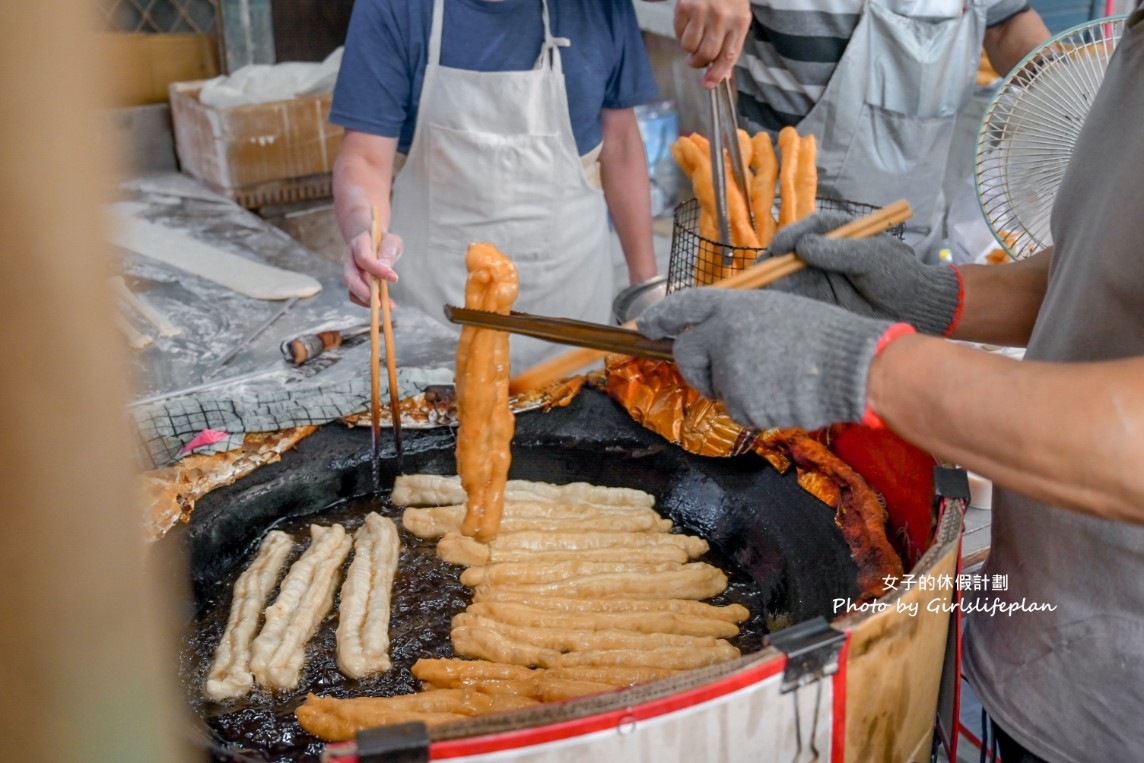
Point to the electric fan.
(1030, 128)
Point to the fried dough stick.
(488, 644)
(732, 613)
(306, 595)
(516, 573)
(806, 182)
(567, 541)
(230, 676)
(457, 549)
(456, 673)
(695, 581)
(766, 167)
(435, 523)
(567, 640)
(339, 719)
(789, 145)
(434, 490)
(363, 614)
(486, 421)
(642, 622)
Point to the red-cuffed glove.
(774, 360)
(879, 277)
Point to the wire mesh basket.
(699, 261)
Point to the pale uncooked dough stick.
(517, 573)
(695, 581)
(229, 675)
(306, 595)
(488, 644)
(567, 541)
(233, 271)
(567, 640)
(644, 622)
(732, 613)
(144, 308)
(434, 490)
(437, 521)
(363, 614)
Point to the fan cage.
(699, 261)
(1030, 129)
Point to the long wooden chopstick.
(754, 277)
(379, 298)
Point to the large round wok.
(786, 557)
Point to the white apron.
(494, 159)
(885, 119)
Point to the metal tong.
(566, 331)
(725, 135)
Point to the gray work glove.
(774, 360)
(878, 277)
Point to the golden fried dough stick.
(567, 640)
(455, 548)
(342, 725)
(557, 689)
(434, 490)
(616, 675)
(569, 541)
(806, 198)
(459, 549)
(488, 644)
(486, 421)
(709, 266)
(704, 186)
(456, 673)
(430, 522)
(515, 573)
(230, 675)
(304, 598)
(732, 613)
(338, 719)
(436, 521)
(642, 622)
(453, 672)
(697, 580)
(789, 145)
(541, 687)
(766, 168)
(363, 614)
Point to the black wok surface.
(784, 555)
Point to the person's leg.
(1011, 751)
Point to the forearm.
(1006, 44)
(363, 178)
(1068, 434)
(1001, 301)
(627, 190)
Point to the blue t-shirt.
(379, 84)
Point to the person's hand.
(774, 360)
(878, 277)
(712, 32)
(359, 263)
